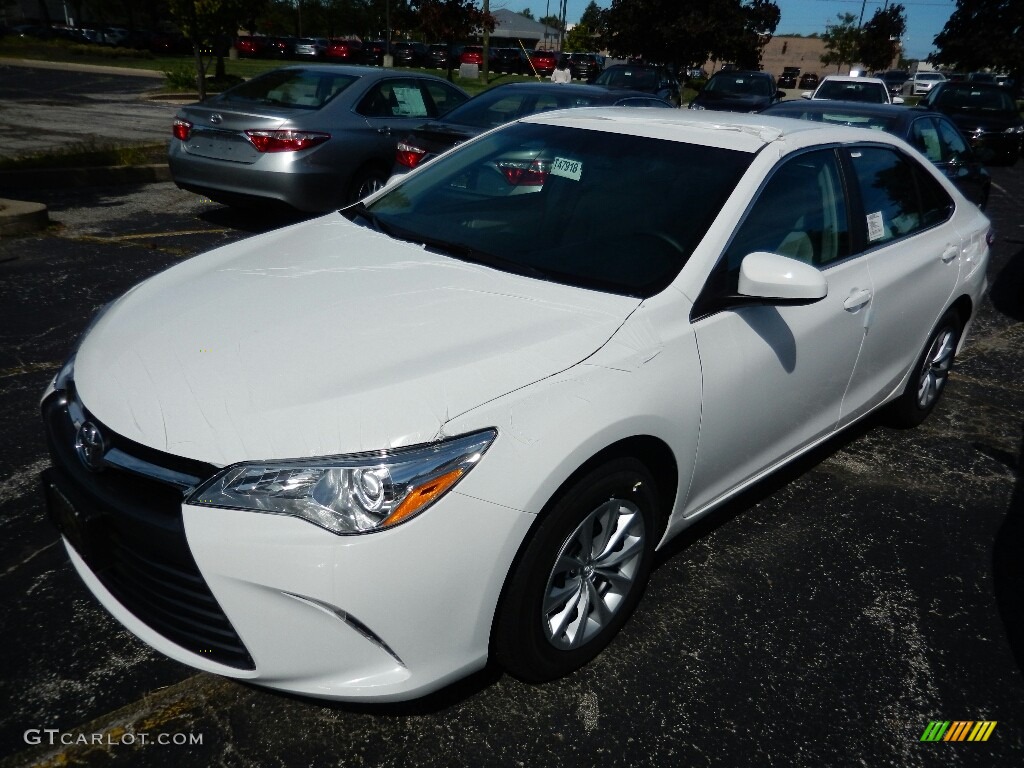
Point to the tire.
(540, 633)
(365, 183)
(929, 375)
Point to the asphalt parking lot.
(823, 619)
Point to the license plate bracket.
(81, 527)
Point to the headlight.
(1015, 129)
(695, 106)
(348, 494)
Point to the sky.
(925, 18)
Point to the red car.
(544, 61)
(251, 47)
(472, 54)
(345, 50)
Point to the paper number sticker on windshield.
(569, 169)
(876, 231)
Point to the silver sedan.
(312, 137)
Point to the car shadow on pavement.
(764, 489)
(1008, 557)
(1007, 293)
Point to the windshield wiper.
(459, 251)
(359, 210)
(475, 255)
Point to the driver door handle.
(856, 300)
(951, 252)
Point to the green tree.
(579, 38)
(527, 13)
(593, 16)
(983, 33)
(842, 41)
(688, 34)
(552, 21)
(211, 23)
(452, 21)
(879, 37)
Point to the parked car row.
(406, 53)
(155, 42)
(791, 78)
(318, 137)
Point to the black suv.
(738, 91)
(409, 54)
(789, 76)
(642, 77)
(508, 60)
(584, 66)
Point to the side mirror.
(780, 95)
(806, 94)
(781, 279)
(897, 99)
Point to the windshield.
(739, 85)
(970, 99)
(305, 89)
(624, 77)
(502, 105)
(588, 208)
(852, 90)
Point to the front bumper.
(278, 601)
(1004, 145)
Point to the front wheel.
(581, 575)
(929, 376)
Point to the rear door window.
(899, 198)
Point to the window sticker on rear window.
(567, 169)
(410, 102)
(876, 230)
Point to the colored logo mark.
(958, 730)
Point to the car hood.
(325, 338)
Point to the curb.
(22, 218)
(73, 66)
(49, 178)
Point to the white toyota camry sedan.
(360, 456)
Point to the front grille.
(130, 532)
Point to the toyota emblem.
(89, 446)
(216, 119)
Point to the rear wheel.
(581, 575)
(930, 374)
(365, 183)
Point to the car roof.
(900, 113)
(744, 132)
(372, 73)
(742, 73)
(832, 105)
(971, 85)
(852, 79)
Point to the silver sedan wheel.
(594, 572)
(935, 370)
(368, 187)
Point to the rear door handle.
(951, 252)
(385, 130)
(856, 300)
